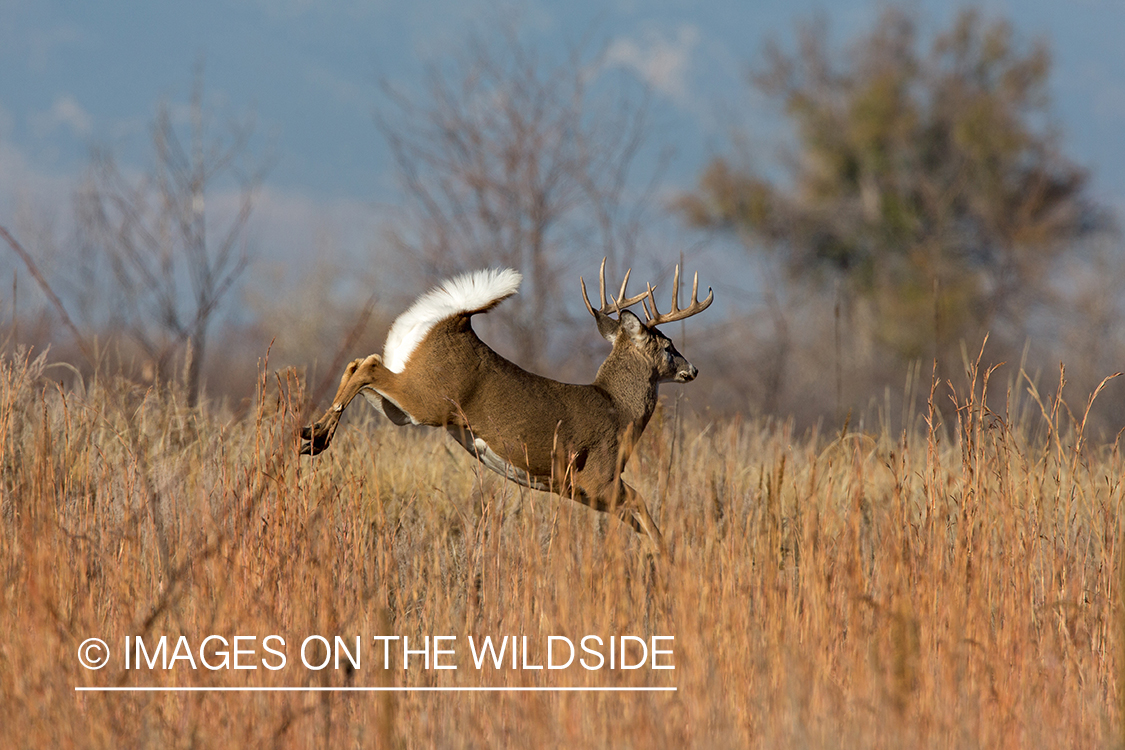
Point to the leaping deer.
(573, 440)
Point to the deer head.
(643, 340)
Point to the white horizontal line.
(375, 689)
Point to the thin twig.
(33, 269)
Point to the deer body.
(573, 440)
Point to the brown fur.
(573, 440)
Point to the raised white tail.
(467, 294)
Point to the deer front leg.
(356, 375)
(630, 507)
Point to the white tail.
(467, 294)
(573, 440)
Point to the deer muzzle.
(687, 374)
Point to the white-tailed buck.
(573, 440)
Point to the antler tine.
(601, 291)
(585, 298)
(622, 301)
(617, 305)
(676, 313)
(676, 290)
(650, 299)
(601, 284)
(624, 283)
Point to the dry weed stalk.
(950, 585)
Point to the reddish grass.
(953, 585)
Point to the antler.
(655, 317)
(620, 303)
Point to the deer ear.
(607, 326)
(632, 325)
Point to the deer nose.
(688, 375)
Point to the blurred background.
(871, 189)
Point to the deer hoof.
(315, 440)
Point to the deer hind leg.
(359, 374)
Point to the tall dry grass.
(951, 585)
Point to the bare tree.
(174, 262)
(508, 160)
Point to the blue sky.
(78, 74)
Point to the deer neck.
(631, 382)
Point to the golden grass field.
(956, 584)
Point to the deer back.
(453, 379)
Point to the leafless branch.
(33, 269)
